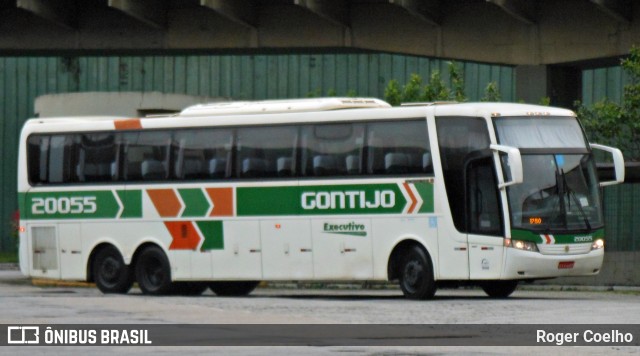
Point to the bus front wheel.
(153, 271)
(110, 272)
(499, 289)
(416, 275)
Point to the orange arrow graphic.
(185, 236)
(414, 201)
(166, 202)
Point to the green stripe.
(196, 204)
(425, 189)
(324, 200)
(132, 201)
(100, 204)
(213, 235)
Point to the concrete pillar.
(531, 83)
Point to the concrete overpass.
(517, 32)
(549, 41)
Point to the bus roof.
(281, 106)
(250, 113)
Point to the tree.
(436, 90)
(617, 124)
(491, 92)
(457, 82)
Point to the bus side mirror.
(618, 163)
(514, 165)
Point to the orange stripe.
(128, 124)
(185, 236)
(414, 201)
(166, 202)
(222, 199)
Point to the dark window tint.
(460, 140)
(484, 215)
(52, 159)
(332, 150)
(202, 154)
(146, 156)
(265, 152)
(97, 154)
(400, 147)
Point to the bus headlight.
(597, 244)
(521, 245)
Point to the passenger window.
(52, 159)
(96, 157)
(265, 152)
(332, 150)
(399, 147)
(202, 154)
(38, 155)
(146, 156)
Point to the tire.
(499, 289)
(416, 275)
(110, 272)
(189, 288)
(153, 272)
(233, 289)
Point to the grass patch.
(8, 257)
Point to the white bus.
(227, 195)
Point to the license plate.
(565, 264)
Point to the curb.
(9, 266)
(44, 282)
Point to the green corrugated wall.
(621, 202)
(601, 83)
(22, 79)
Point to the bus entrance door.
(484, 219)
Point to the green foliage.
(392, 93)
(491, 93)
(8, 257)
(617, 124)
(545, 101)
(457, 82)
(436, 90)
(411, 91)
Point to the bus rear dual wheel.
(153, 273)
(110, 273)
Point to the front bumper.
(533, 265)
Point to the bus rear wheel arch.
(109, 271)
(411, 265)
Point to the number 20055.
(64, 205)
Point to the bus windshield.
(560, 190)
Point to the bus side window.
(266, 152)
(398, 148)
(332, 149)
(146, 155)
(201, 153)
(38, 153)
(96, 157)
